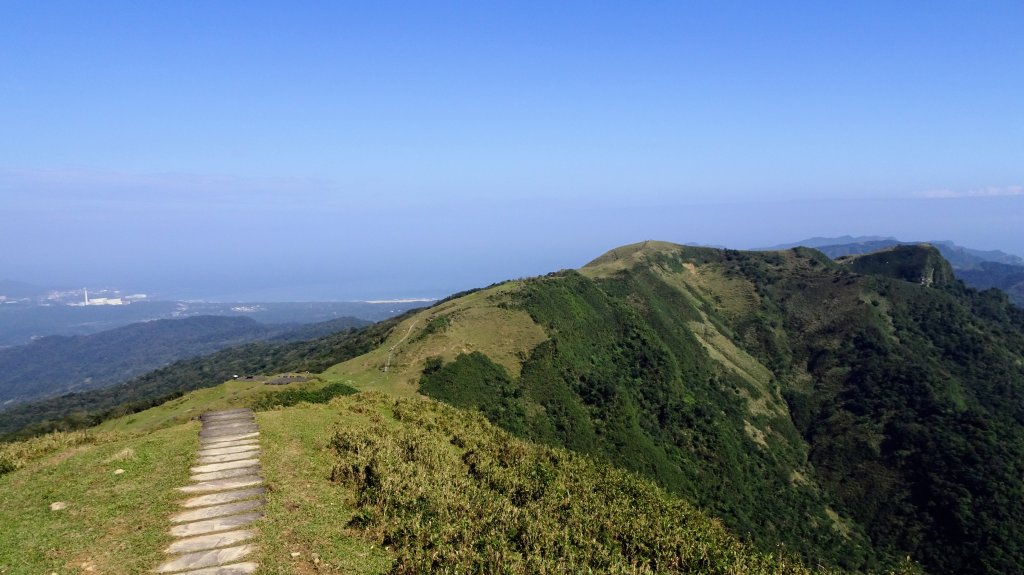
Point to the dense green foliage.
(979, 269)
(638, 389)
(914, 407)
(919, 264)
(289, 397)
(450, 493)
(57, 365)
(903, 402)
(78, 410)
(473, 380)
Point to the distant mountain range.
(56, 365)
(980, 269)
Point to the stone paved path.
(213, 531)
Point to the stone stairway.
(214, 532)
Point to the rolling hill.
(844, 413)
(57, 365)
(878, 401)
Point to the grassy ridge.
(883, 411)
(635, 387)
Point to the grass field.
(113, 523)
(366, 484)
(480, 321)
(117, 523)
(229, 395)
(307, 513)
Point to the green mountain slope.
(921, 264)
(364, 484)
(980, 269)
(837, 409)
(847, 413)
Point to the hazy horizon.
(346, 152)
(411, 275)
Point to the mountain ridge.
(818, 359)
(845, 410)
(981, 269)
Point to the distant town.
(77, 298)
(108, 300)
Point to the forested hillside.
(980, 269)
(77, 410)
(57, 365)
(854, 417)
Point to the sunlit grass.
(113, 523)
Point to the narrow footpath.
(214, 530)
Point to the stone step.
(252, 451)
(225, 412)
(225, 427)
(222, 497)
(209, 558)
(225, 450)
(223, 484)
(204, 542)
(247, 454)
(231, 429)
(225, 473)
(214, 525)
(229, 443)
(210, 442)
(217, 511)
(226, 416)
(232, 436)
(247, 568)
(210, 467)
(230, 420)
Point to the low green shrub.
(450, 493)
(290, 397)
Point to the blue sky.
(355, 150)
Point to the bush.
(450, 493)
